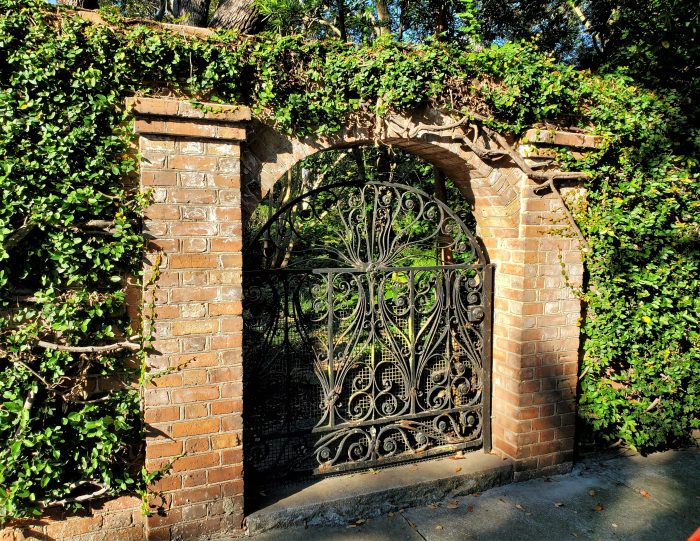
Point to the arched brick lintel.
(269, 154)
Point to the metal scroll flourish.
(366, 332)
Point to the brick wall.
(191, 162)
(115, 520)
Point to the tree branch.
(18, 235)
(325, 23)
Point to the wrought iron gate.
(366, 333)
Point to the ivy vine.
(70, 238)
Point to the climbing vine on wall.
(70, 236)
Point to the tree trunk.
(239, 15)
(383, 18)
(441, 25)
(196, 12)
(85, 4)
(341, 20)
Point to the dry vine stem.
(101, 491)
(546, 179)
(132, 346)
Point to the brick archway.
(193, 160)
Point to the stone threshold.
(345, 498)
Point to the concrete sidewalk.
(635, 498)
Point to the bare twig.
(325, 23)
(90, 349)
(34, 373)
(653, 405)
(27, 406)
(100, 491)
(585, 371)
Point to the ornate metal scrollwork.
(366, 320)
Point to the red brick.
(194, 377)
(197, 445)
(166, 312)
(195, 428)
(196, 411)
(227, 214)
(227, 341)
(232, 390)
(227, 473)
(226, 441)
(226, 245)
(528, 413)
(195, 245)
(192, 229)
(231, 422)
(233, 488)
(195, 462)
(195, 326)
(158, 533)
(232, 456)
(162, 212)
(232, 261)
(193, 261)
(231, 133)
(195, 394)
(194, 478)
(153, 106)
(195, 278)
(225, 308)
(546, 423)
(165, 449)
(195, 360)
(148, 125)
(229, 180)
(197, 196)
(188, 294)
(158, 178)
(167, 380)
(199, 529)
(196, 495)
(226, 406)
(224, 375)
(166, 483)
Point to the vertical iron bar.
(412, 335)
(331, 368)
(286, 349)
(451, 331)
(373, 338)
(487, 355)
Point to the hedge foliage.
(65, 161)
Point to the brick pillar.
(190, 160)
(536, 333)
